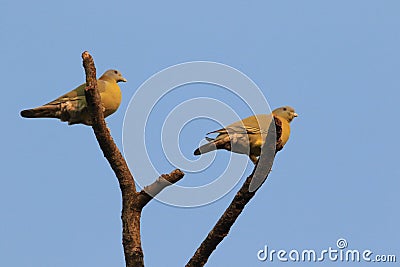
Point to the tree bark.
(132, 201)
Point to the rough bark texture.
(224, 224)
(132, 201)
(130, 219)
(152, 190)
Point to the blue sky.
(336, 62)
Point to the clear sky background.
(336, 62)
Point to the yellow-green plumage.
(248, 135)
(72, 106)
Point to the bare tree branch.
(152, 190)
(222, 227)
(130, 219)
(132, 202)
(242, 197)
(106, 142)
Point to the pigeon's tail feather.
(46, 111)
(205, 148)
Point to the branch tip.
(86, 55)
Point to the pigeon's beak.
(295, 114)
(122, 80)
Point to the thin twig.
(150, 191)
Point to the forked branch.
(132, 201)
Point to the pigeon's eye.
(116, 72)
(284, 109)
